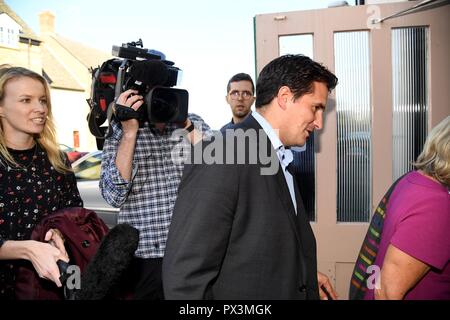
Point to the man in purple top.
(414, 252)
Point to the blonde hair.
(47, 138)
(435, 157)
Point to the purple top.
(418, 223)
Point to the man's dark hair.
(241, 77)
(298, 72)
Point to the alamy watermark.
(236, 146)
(374, 280)
(73, 280)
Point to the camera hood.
(167, 105)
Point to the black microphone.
(111, 260)
(149, 72)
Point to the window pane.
(295, 44)
(410, 101)
(353, 109)
(304, 171)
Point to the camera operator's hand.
(130, 127)
(131, 99)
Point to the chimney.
(47, 22)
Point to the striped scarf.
(369, 249)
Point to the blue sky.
(209, 40)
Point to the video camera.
(146, 71)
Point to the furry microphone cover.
(110, 262)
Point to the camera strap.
(124, 113)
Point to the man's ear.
(283, 96)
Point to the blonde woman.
(35, 177)
(414, 252)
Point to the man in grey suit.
(239, 228)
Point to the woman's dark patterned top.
(27, 194)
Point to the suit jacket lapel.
(285, 197)
(282, 187)
(283, 193)
(301, 213)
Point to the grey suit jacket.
(235, 235)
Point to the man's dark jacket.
(235, 234)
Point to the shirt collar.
(284, 154)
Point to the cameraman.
(139, 176)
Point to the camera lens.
(164, 106)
